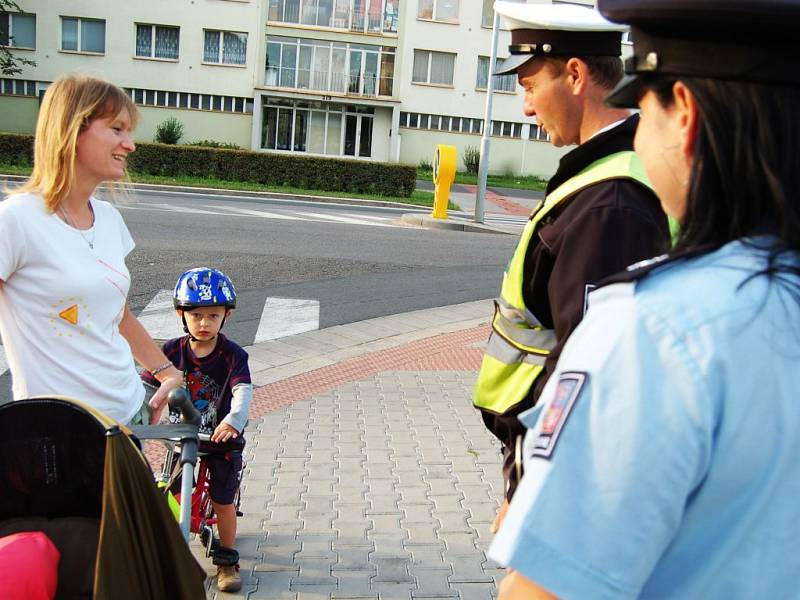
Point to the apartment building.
(382, 80)
(328, 85)
(192, 59)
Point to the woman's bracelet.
(160, 368)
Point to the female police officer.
(664, 462)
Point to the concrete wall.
(197, 125)
(18, 115)
(381, 127)
(507, 156)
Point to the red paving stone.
(455, 351)
(508, 205)
(447, 352)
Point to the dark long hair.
(746, 174)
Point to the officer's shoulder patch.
(556, 414)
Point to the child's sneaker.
(228, 579)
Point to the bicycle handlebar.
(180, 399)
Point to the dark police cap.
(738, 40)
(555, 30)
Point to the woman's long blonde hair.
(69, 105)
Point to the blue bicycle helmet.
(203, 286)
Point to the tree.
(9, 63)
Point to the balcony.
(368, 85)
(365, 17)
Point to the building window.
(17, 87)
(83, 35)
(224, 47)
(372, 16)
(487, 17)
(317, 128)
(18, 30)
(502, 83)
(537, 133)
(433, 67)
(438, 10)
(391, 14)
(157, 41)
(455, 124)
(353, 69)
(187, 100)
(506, 129)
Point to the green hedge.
(16, 149)
(306, 172)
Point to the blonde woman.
(64, 317)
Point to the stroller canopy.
(74, 473)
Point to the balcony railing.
(367, 85)
(361, 22)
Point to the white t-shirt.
(61, 304)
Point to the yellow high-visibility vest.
(519, 344)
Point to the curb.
(454, 224)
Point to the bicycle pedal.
(208, 541)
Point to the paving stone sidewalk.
(369, 474)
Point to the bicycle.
(202, 519)
(182, 458)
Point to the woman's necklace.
(88, 240)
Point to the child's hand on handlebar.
(159, 399)
(223, 433)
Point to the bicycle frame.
(199, 513)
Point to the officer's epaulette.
(643, 268)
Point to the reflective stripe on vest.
(519, 344)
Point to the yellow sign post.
(444, 173)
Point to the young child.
(218, 377)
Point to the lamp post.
(483, 169)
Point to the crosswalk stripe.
(338, 219)
(186, 209)
(370, 217)
(234, 211)
(287, 316)
(261, 213)
(159, 318)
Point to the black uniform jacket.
(596, 233)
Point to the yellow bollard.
(444, 173)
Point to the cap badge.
(651, 61)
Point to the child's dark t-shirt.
(211, 377)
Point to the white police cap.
(556, 30)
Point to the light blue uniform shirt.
(665, 462)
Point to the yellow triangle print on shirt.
(70, 315)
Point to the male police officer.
(598, 217)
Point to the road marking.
(233, 211)
(287, 316)
(185, 209)
(261, 213)
(3, 361)
(326, 217)
(371, 217)
(159, 318)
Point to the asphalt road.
(354, 260)
(357, 262)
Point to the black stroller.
(76, 475)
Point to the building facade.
(381, 80)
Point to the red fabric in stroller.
(74, 474)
